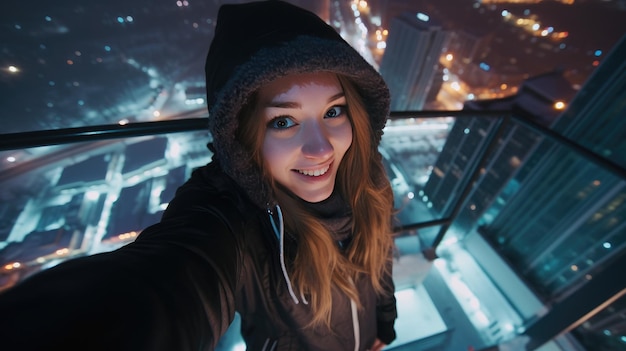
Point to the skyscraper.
(565, 220)
(558, 213)
(411, 59)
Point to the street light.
(12, 69)
(559, 105)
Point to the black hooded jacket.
(215, 252)
(179, 284)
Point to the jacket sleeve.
(386, 312)
(172, 289)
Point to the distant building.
(92, 170)
(144, 155)
(473, 59)
(131, 213)
(469, 45)
(411, 60)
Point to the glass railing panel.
(84, 198)
(436, 157)
(604, 331)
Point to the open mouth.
(314, 172)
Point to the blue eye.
(335, 111)
(281, 122)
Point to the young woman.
(289, 225)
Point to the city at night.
(505, 149)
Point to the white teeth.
(315, 173)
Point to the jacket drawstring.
(280, 234)
(355, 321)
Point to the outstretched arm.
(172, 289)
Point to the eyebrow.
(289, 104)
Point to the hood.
(258, 42)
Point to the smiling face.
(307, 132)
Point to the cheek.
(344, 138)
(273, 153)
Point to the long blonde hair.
(319, 266)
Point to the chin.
(316, 197)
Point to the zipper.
(267, 343)
(355, 325)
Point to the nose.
(316, 143)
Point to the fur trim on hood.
(258, 42)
